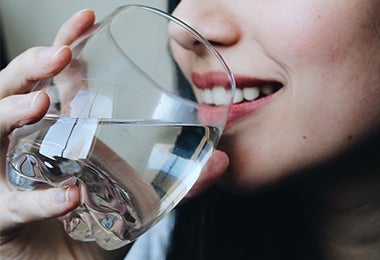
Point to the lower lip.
(239, 110)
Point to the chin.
(257, 181)
(232, 183)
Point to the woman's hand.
(28, 225)
(213, 170)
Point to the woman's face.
(324, 54)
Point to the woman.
(306, 142)
(301, 168)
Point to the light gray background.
(28, 23)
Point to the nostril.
(197, 43)
(183, 37)
(186, 39)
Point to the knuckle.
(14, 209)
(23, 207)
(41, 210)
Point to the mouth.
(250, 93)
(218, 95)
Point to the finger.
(20, 207)
(74, 27)
(213, 170)
(34, 64)
(18, 110)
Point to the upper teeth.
(220, 96)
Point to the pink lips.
(212, 79)
(239, 110)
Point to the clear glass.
(133, 119)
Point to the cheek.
(330, 60)
(312, 31)
(183, 59)
(305, 44)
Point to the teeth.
(267, 89)
(207, 96)
(238, 97)
(216, 96)
(219, 96)
(251, 93)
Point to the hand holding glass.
(133, 119)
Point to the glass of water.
(132, 121)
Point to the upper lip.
(213, 79)
(242, 82)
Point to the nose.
(212, 21)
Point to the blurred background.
(28, 23)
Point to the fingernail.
(26, 101)
(34, 98)
(50, 52)
(62, 196)
(80, 12)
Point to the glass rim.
(184, 25)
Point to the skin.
(322, 125)
(325, 54)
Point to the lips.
(250, 93)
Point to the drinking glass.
(132, 121)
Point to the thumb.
(18, 110)
(20, 207)
(213, 170)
